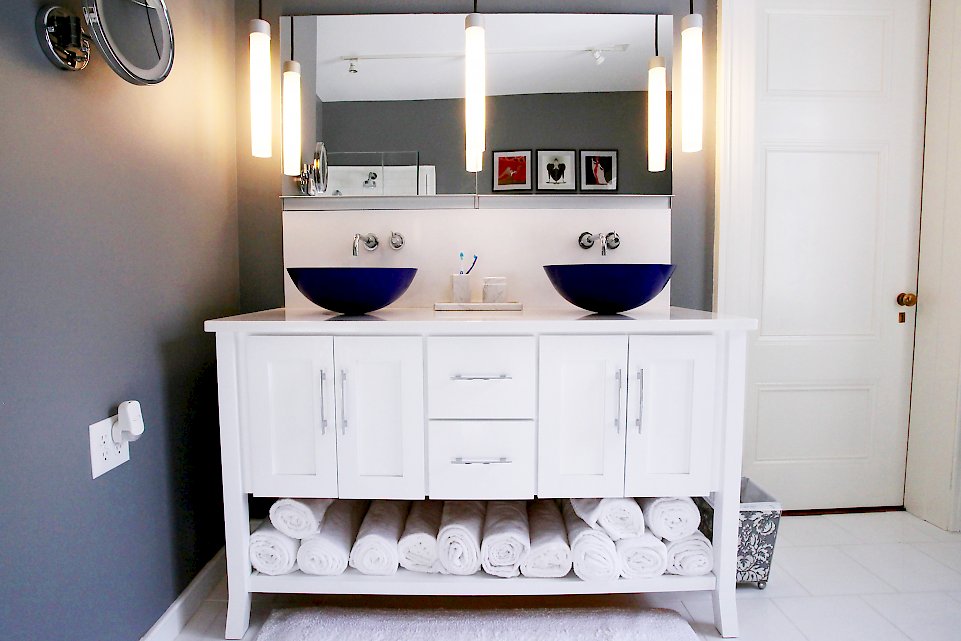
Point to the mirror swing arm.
(66, 43)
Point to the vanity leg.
(727, 501)
(236, 511)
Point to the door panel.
(291, 402)
(582, 413)
(670, 416)
(819, 236)
(380, 420)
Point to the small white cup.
(460, 288)
(495, 289)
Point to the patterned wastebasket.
(760, 516)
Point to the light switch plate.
(105, 454)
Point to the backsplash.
(514, 243)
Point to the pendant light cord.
(475, 6)
(692, 7)
(657, 49)
(260, 9)
(291, 37)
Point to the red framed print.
(599, 170)
(512, 170)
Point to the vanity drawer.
(481, 460)
(485, 377)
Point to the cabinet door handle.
(343, 401)
(619, 377)
(323, 403)
(460, 460)
(481, 377)
(640, 404)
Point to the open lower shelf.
(480, 584)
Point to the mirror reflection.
(385, 95)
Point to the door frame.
(734, 234)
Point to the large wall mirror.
(385, 95)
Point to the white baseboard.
(173, 621)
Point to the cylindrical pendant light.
(291, 105)
(291, 124)
(260, 111)
(692, 82)
(475, 92)
(656, 108)
(657, 115)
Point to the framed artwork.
(512, 170)
(557, 170)
(598, 170)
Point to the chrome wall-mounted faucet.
(610, 240)
(369, 240)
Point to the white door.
(582, 414)
(291, 416)
(380, 417)
(670, 415)
(820, 181)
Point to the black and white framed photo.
(556, 170)
(599, 170)
(512, 170)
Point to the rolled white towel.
(690, 556)
(671, 518)
(375, 550)
(418, 544)
(327, 552)
(621, 518)
(642, 557)
(507, 538)
(459, 539)
(272, 552)
(298, 518)
(593, 551)
(550, 555)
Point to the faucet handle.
(396, 240)
(586, 240)
(613, 240)
(370, 242)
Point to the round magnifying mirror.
(134, 36)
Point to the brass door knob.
(907, 300)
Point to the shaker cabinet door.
(671, 415)
(380, 417)
(290, 415)
(581, 420)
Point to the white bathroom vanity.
(414, 404)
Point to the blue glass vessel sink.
(609, 288)
(352, 290)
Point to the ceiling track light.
(598, 57)
(352, 67)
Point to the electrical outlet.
(105, 454)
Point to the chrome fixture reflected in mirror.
(135, 37)
(313, 177)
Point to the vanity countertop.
(422, 320)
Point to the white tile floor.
(849, 577)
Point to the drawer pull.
(481, 377)
(460, 460)
(343, 402)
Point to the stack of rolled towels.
(600, 539)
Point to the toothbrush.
(462, 262)
(471, 265)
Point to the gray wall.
(435, 128)
(118, 237)
(261, 240)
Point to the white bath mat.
(541, 624)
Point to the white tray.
(478, 307)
